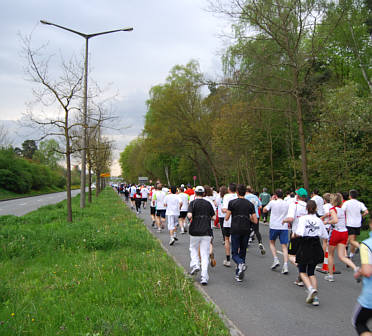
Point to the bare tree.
(59, 95)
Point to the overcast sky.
(166, 33)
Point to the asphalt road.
(22, 206)
(267, 302)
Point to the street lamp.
(85, 97)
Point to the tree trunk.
(302, 142)
(214, 171)
(68, 172)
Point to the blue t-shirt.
(365, 298)
(255, 201)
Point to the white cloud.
(165, 33)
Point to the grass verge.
(104, 274)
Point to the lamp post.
(85, 98)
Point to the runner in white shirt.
(319, 202)
(295, 211)
(144, 194)
(310, 253)
(291, 198)
(221, 215)
(231, 194)
(132, 192)
(338, 236)
(185, 205)
(326, 207)
(158, 198)
(278, 228)
(173, 204)
(208, 196)
(354, 211)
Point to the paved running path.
(267, 302)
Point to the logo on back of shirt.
(312, 227)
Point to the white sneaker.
(285, 269)
(275, 264)
(194, 270)
(316, 301)
(311, 295)
(171, 241)
(329, 278)
(262, 248)
(203, 282)
(241, 271)
(227, 263)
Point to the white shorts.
(172, 221)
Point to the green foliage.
(28, 148)
(48, 153)
(21, 176)
(104, 274)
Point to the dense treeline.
(22, 175)
(294, 108)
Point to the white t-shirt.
(290, 200)
(319, 204)
(144, 192)
(353, 209)
(225, 205)
(132, 191)
(158, 197)
(219, 202)
(172, 202)
(295, 211)
(211, 200)
(341, 223)
(279, 209)
(326, 208)
(311, 226)
(185, 201)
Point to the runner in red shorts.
(338, 237)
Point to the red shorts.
(338, 237)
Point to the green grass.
(6, 194)
(103, 274)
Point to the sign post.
(194, 178)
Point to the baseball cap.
(182, 186)
(199, 189)
(301, 192)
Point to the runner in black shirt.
(243, 215)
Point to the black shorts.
(160, 213)
(132, 199)
(360, 318)
(293, 246)
(353, 230)
(152, 210)
(226, 231)
(183, 214)
(144, 199)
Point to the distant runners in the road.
(158, 198)
(265, 199)
(183, 212)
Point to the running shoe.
(213, 261)
(238, 279)
(183, 231)
(159, 230)
(299, 283)
(227, 263)
(316, 301)
(171, 241)
(241, 271)
(285, 269)
(275, 264)
(203, 282)
(329, 278)
(153, 224)
(194, 270)
(311, 295)
(262, 248)
(175, 237)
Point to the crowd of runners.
(308, 226)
